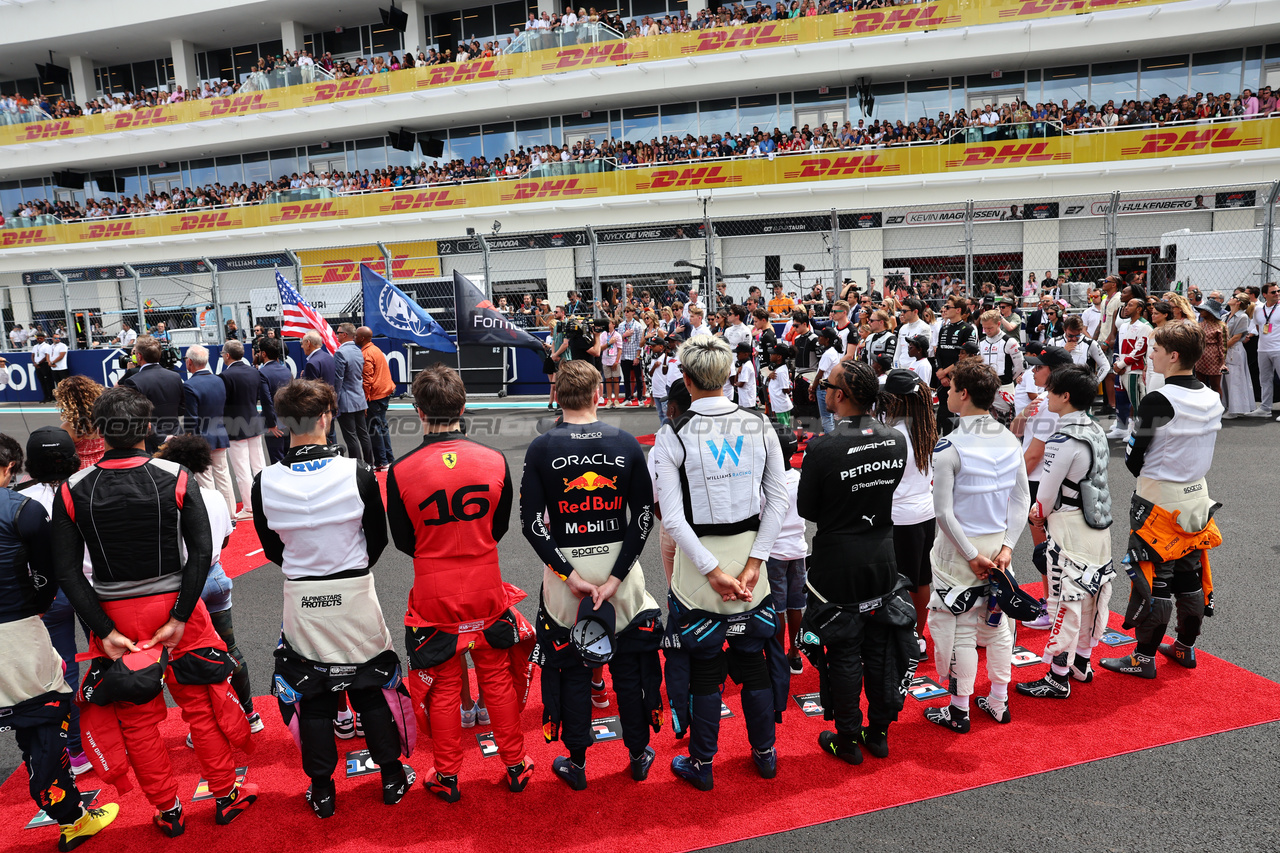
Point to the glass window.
(891, 102)
(927, 98)
(533, 132)
(284, 163)
(1252, 69)
(758, 111)
(1165, 75)
(198, 173)
(10, 197)
(133, 183)
(396, 157)
(498, 139)
(445, 30)
(720, 116)
(220, 64)
(120, 78)
(244, 57)
(1114, 81)
(257, 168)
(464, 143)
(229, 171)
(508, 16)
(385, 39)
(144, 74)
(371, 153)
(1217, 71)
(344, 43)
(1070, 82)
(648, 7)
(639, 124)
(679, 120)
(271, 48)
(477, 22)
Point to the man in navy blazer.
(160, 385)
(246, 388)
(206, 402)
(320, 366)
(349, 373)
(277, 375)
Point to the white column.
(184, 64)
(551, 7)
(696, 6)
(292, 35)
(83, 88)
(415, 34)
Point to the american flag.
(300, 318)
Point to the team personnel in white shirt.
(1266, 325)
(743, 378)
(832, 351)
(1000, 351)
(1083, 348)
(911, 326)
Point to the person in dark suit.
(206, 403)
(320, 365)
(349, 372)
(246, 389)
(162, 386)
(277, 375)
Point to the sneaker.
(796, 663)
(1043, 622)
(924, 650)
(876, 743)
(1118, 432)
(830, 743)
(1081, 670)
(482, 715)
(1184, 656)
(599, 697)
(949, 717)
(693, 771)
(244, 514)
(79, 763)
(551, 407)
(359, 725)
(396, 785)
(1142, 666)
(323, 798)
(640, 766)
(998, 710)
(1258, 413)
(170, 822)
(569, 773)
(1049, 687)
(632, 404)
(255, 722)
(234, 804)
(1230, 416)
(519, 775)
(469, 717)
(444, 787)
(344, 726)
(89, 824)
(766, 762)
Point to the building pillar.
(83, 87)
(696, 6)
(292, 35)
(415, 34)
(184, 64)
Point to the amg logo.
(589, 552)
(309, 601)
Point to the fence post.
(968, 247)
(596, 295)
(216, 293)
(1113, 209)
(137, 296)
(484, 252)
(836, 271)
(297, 270)
(66, 311)
(1268, 225)
(709, 276)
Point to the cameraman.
(162, 386)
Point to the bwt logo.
(357, 88)
(314, 210)
(602, 54)
(1191, 140)
(834, 167)
(240, 104)
(26, 237)
(741, 37)
(112, 231)
(733, 452)
(990, 155)
(896, 19)
(550, 188)
(140, 118)
(49, 130)
(205, 221)
(425, 200)
(465, 72)
(696, 176)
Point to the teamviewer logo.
(725, 450)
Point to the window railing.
(561, 37)
(283, 76)
(23, 115)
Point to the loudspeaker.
(395, 18)
(401, 140)
(108, 183)
(68, 180)
(772, 268)
(432, 147)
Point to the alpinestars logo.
(311, 601)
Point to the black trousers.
(225, 629)
(632, 378)
(575, 703)
(355, 433)
(44, 752)
(44, 373)
(315, 727)
(855, 666)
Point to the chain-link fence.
(1211, 239)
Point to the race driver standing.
(586, 506)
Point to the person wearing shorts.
(787, 572)
(611, 365)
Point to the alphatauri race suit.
(859, 626)
(586, 504)
(713, 467)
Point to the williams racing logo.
(590, 481)
(311, 601)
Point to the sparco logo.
(589, 552)
(309, 601)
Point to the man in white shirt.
(40, 358)
(737, 331)
(58, 360)
(18, 337)
(910, 327)
(127, 336)
(1092, 316)
(1111, 303)
(696, 326)
(1266, 325)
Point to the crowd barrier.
(1235, 137)
(901, 20)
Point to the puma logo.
(869, 519)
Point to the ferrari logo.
(450, 459)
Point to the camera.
(577, 327)
(601, 324)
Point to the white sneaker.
(1259, 413)
(469, 717)
(1230, 416)
(1118, 433)
(1044, 623)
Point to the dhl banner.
(419, 258)
(342, 266)
(899, 20)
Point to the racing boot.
(1184, 656)
(1143, 666)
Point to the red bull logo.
(590, 481)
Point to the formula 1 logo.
(141, 118)
(1006, 155)
(600, 54)
(49, 130)
(241, 104)
(464, 72)
(1212, 138)
(112, 231)
(693, 176)
(550, 188)
(725, 450)
(343, 89)
(835, 167)
(590, 481)
(313, 210)
(26, 237)
(205, 222)
(739, 38)
(910, 18)
(426, 200)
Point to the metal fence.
(1212, 238)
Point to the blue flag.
(389, 311)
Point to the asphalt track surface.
(1219, 793)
